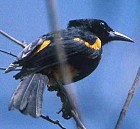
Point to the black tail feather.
(28, 96)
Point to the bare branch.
(128, 100)
(69, 107)
(59, 49)
(78, 121)
(13, 70)
(52, 121)
(3, 69)
(8, 53)
(22, 44)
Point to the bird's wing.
(43, 54)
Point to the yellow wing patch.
(43, 45)
(96, 45)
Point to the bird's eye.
(103, 25)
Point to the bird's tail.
(29, 95)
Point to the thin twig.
(13, 70)
(78, 121)
(22, 44)
(8, 53)
(74, 112)
(128, 100)
(58, 43)
(52, 121)
(61, 55)
(2, 68)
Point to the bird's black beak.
(113, 35)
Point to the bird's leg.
(68, 109)
(62, 93)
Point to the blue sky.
(102, 94)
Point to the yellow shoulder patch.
(43, 45)
(96, 45)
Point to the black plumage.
(82, 41)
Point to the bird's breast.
(76, 69)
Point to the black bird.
(82, 41)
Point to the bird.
(82, 42)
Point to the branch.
(52, 121)
(8, 53)
(22, 44)
(6, 68)
(2, 68)
(128, 100)
(68, 106)
(80, 125)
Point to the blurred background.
(102, 94)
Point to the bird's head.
(100, 29)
